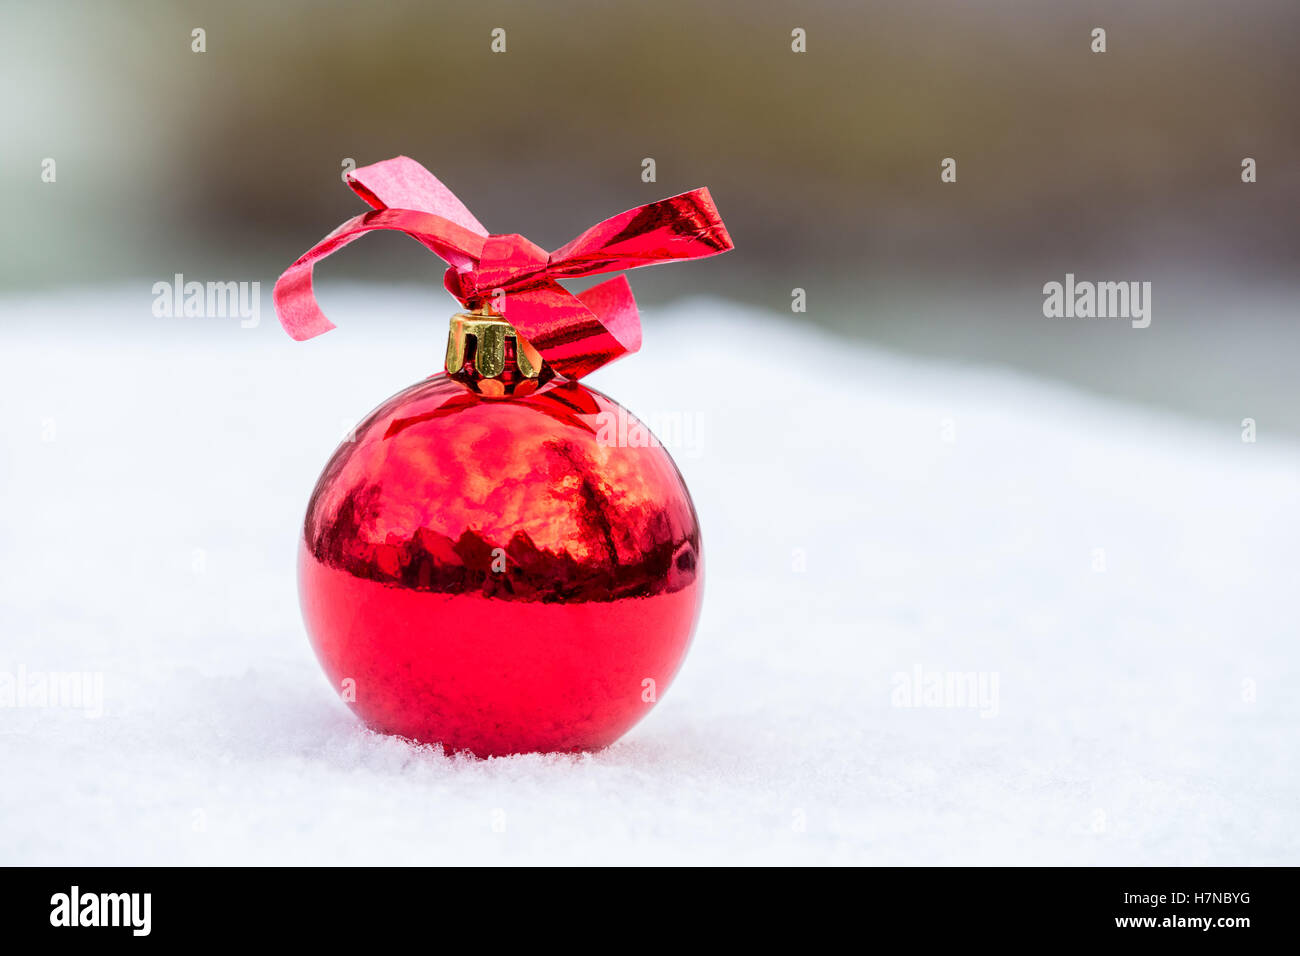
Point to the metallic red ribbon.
(576, 334)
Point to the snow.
(1123, 579)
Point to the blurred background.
(1126, 165)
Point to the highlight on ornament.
(480, 567)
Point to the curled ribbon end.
(301, 333)
(295, 305)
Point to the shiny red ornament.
(503, 560)
(495, 577)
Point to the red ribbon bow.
(576, 334)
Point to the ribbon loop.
(576, 334)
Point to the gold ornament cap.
(486, 353)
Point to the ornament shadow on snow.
(486, 572)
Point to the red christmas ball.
(500, 563)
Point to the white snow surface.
(866, 515)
